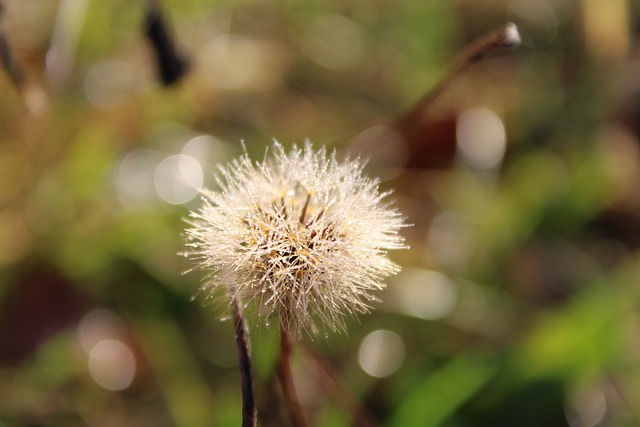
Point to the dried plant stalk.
(506, 37)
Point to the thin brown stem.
(330, 382)
(249, 408)
(286, 380)
(508, 36)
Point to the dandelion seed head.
(299, 235)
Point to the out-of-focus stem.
(31, 92)
(332, 385)
(508, 36)
(634, 414)
(64, 40)
(249, 408)
(286, 380)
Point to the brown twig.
(332, 385)
(286, 380)
(508, 36)
(249, 408)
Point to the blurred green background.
(518, 300)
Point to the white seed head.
(298, 235)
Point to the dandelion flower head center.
(289, 238)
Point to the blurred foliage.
(531, 318)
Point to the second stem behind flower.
(285, 377)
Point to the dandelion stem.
(508, 36)
(286, 379)
(249, 409)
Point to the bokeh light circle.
(381, 353)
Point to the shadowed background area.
(518, 300)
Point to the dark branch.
(506, 37)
